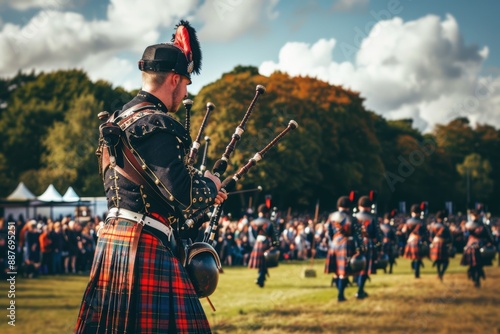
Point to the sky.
(431, 61)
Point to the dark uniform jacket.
(161, 144)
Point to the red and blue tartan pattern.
(257, 259)
(471, 255)
(439, 250)
(338, 256)
(412, 249)
(163, 298)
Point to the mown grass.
(290, 303)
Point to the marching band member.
(389, 241)
(262, 232)
(137, 282)
(372, 241)
(478, 237)
(417, 239)
(345, 243)
(441, 240)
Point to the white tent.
(50, 195)
(49, 204)
(21, 193)
(70, 195)
(18, 203)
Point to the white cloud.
(119, 71)
(53, 39)
(30, 4)
(420, 69)
(143, 16)
(56, 38)
(225, 20)
(350, 5)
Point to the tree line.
(49, 133)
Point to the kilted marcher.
(417, 239)
(495, 230)
(478, 237)
(441, 241)
(389, 241)
(372, 240)
(345, 242)
(262, 229)
(137, 282)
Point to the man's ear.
(175, 79)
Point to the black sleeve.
(163, 154)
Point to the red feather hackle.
(185, 38)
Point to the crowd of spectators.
(300, 238)
(47, 247)
(67, 246)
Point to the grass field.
(289, 303)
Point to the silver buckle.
(141, 222)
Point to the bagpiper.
(345, 246)
(478, 240)
(389, 241)
(138, 283)
(262, 230)
(441, 241)
(417, 239)
(372, 240)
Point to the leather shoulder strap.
(124, 118)
(133, 171)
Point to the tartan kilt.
(163, 298)
(257, 259)
(412, 249)
(439, 250)
(338, 256)
(471, 255)
(330, 264)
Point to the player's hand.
(214, 178)
(221, 197)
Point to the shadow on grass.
(47, 296)
(51, 307)
(461, 300)
(313, 328)
(310, 287)
(313, 312)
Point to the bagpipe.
(381, 258)
(487, 249)
(202, 262)
(423, 245)
(272, 255)
(357, 261)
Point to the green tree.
(488, 146)
(34, 104)
(70, 158)
(475, 172)
(33, 107)
(457, 138)
(334, 149)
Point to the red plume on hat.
(182, 56)
(268, 201)
(185, 38)
(353, 196)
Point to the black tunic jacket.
(161, 143)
